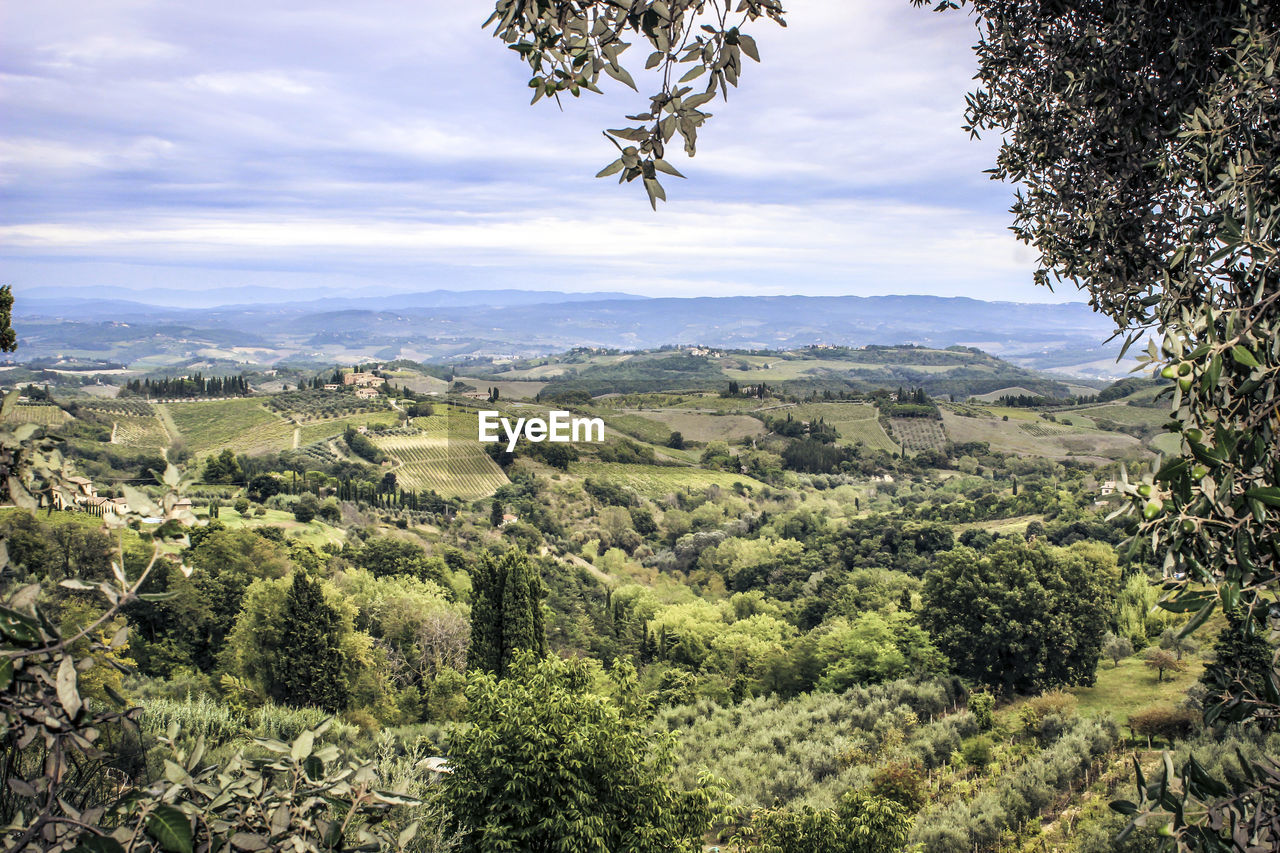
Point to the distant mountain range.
(438, 325)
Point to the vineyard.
(918, 434)
(42, 415)
(1043, 430)
(141, 432)
(243, 425)
(443, 456)
(857, 423)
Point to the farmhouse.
(362, 380)
(366, 393)
(332, 387)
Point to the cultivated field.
(144, 432)
(917, 434)
(444, 457)
(43, 415)
(655, 482)
(857, 423)
(243, 425)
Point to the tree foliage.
(506, 612)
(1021, 617)
(545, 764)
(568, 44)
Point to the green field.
(1131, 687)
(314, 431)
(445, 457)
(656, 427)
(1127, 415)
(244, 425)
(655, 482)
(857, 423)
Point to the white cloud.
(250, 84)
(383, 137)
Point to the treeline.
(196, 385)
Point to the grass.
(653, 481)
(314, 532)
(1009, 437)
(243, 425)
(1132, 686)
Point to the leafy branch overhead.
(697, 49)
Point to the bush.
(241, 505)
(1163, 722)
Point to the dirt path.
(297, 437)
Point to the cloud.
(397, 145)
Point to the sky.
(278, 147)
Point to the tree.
(1161, 660)
(1020, 617)
(545, 764)
(675, 441)
(8, 337)
(496, 513)
(1116, 648)
(306, 508)
(222, 468)
(506, 612)
(1241, 669)
(311, 654)
(862, 822)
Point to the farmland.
(42, 415)
(242, 424)
(443, 456)
(657, 426)
(313, 431)
(918, 434)
(656, 482)
(311, 405)
(857, 423)
(144, 432)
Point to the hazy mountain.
(446, 324)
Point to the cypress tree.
(506, 612)
(310, 653)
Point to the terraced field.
(145, 432)
(654, 482)
(444, 457)
(243, 425)
(43, 415)
(857, 423)
(917, 434)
